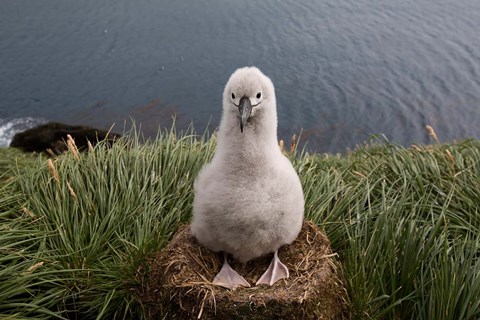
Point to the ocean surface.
(343, 70)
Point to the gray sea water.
(343, 69)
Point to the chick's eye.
(233, 95)
(259, 95)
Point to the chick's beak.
(245, 109)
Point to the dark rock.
(53, 136)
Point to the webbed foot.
(229, 278)
(276, 271)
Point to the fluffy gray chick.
(248, 199)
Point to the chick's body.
(248, 199)
(248, 215)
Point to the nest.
(181, 275)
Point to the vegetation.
(77, 232)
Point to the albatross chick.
(248, 199)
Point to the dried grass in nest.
(181, 275)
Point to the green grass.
(404, 221)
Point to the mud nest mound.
(181, 275)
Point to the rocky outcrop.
(51, 138)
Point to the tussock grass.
(77, 232)
(406, 225)
(90, 223)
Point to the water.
(343, 70)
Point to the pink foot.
(276, 271)
(229, 278)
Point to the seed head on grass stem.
(34, 267)
(432, 134)
(293, 144)
(53, 170)
(70, 189)
(72, 147)
(449, 156)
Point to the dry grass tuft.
(182, 272)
